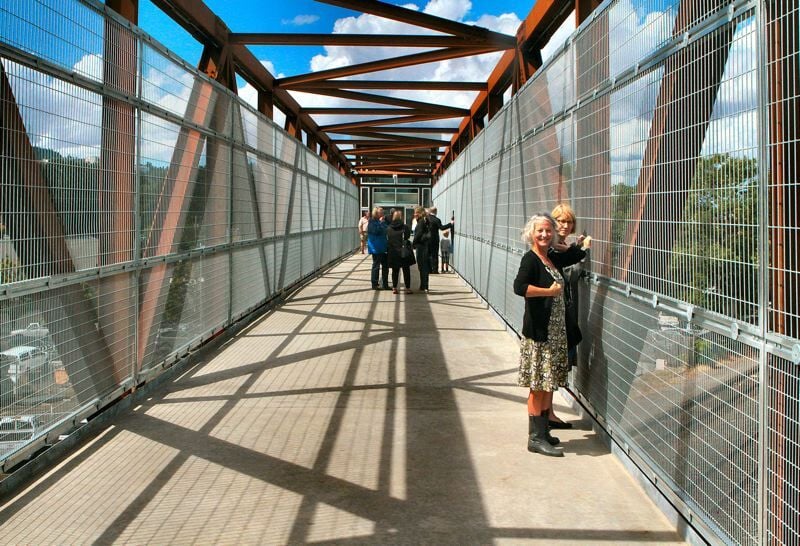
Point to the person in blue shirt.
(377, 246)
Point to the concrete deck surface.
(347, 416)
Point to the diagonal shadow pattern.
(354, 436)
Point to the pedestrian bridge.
(343, 416)
(189, 348)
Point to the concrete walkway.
(347, 416)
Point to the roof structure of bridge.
(378, 133)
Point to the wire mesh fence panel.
(142, 209)
(678, 150)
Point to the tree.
(715, 256)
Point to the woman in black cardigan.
(543, 365)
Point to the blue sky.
(302, 16)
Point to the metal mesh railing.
(670, 127)
(142, 209)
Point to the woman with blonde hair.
(543, 363)
(569, 254)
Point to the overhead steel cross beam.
(209, 29)
(387, 64)
(425, 20)
(389, 84)
(383, 121)
(379, 40)
(371, 131)
(383, 149)
(393, 101)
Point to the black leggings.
(406, 275)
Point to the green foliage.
(715, 256)
(622, 201)
(176, 297)
(10, 271)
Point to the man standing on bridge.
(435, 227)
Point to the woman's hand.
(555, 289)
(560, 246)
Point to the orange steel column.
(683, 110)
(782, 20)
(116, 192)
(171, 211)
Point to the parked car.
(32, 330)
(20, 360)
(17, 431)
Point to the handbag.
(407, 253)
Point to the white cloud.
(633, 35)
(301, 20)
(454, 10)
(57, 114)
(476, 68)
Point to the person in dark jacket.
(570, 254)
(376, 245)
(543, 365)
(399, 232)
(433, 246)
(421, 244)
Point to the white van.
(19, 360)
(15, 432)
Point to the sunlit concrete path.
(347, 416)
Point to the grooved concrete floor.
(347, 416)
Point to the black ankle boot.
(537, 441)
(552, 440)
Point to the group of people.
(550, 332)
(396, 246)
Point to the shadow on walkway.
(347, 416)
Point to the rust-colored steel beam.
(422, 152)
(584, 8)
(682, 114)
(172, 210)
(389, 140)
(35, 228)
(129, 9)
(426, 164)
(424, 20)
(393, 101)
(369, 131)
(784, 259)
(217, 64)
(207, 28)
(384, 172)
(784, 156)
(383, 121)
(391, 84)
(383, 149)
(385, 64)
(352, 40)
(322, 111)
(116, 317)
(411, 139)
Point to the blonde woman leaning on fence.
(569, 254)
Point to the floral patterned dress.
(543, 365)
